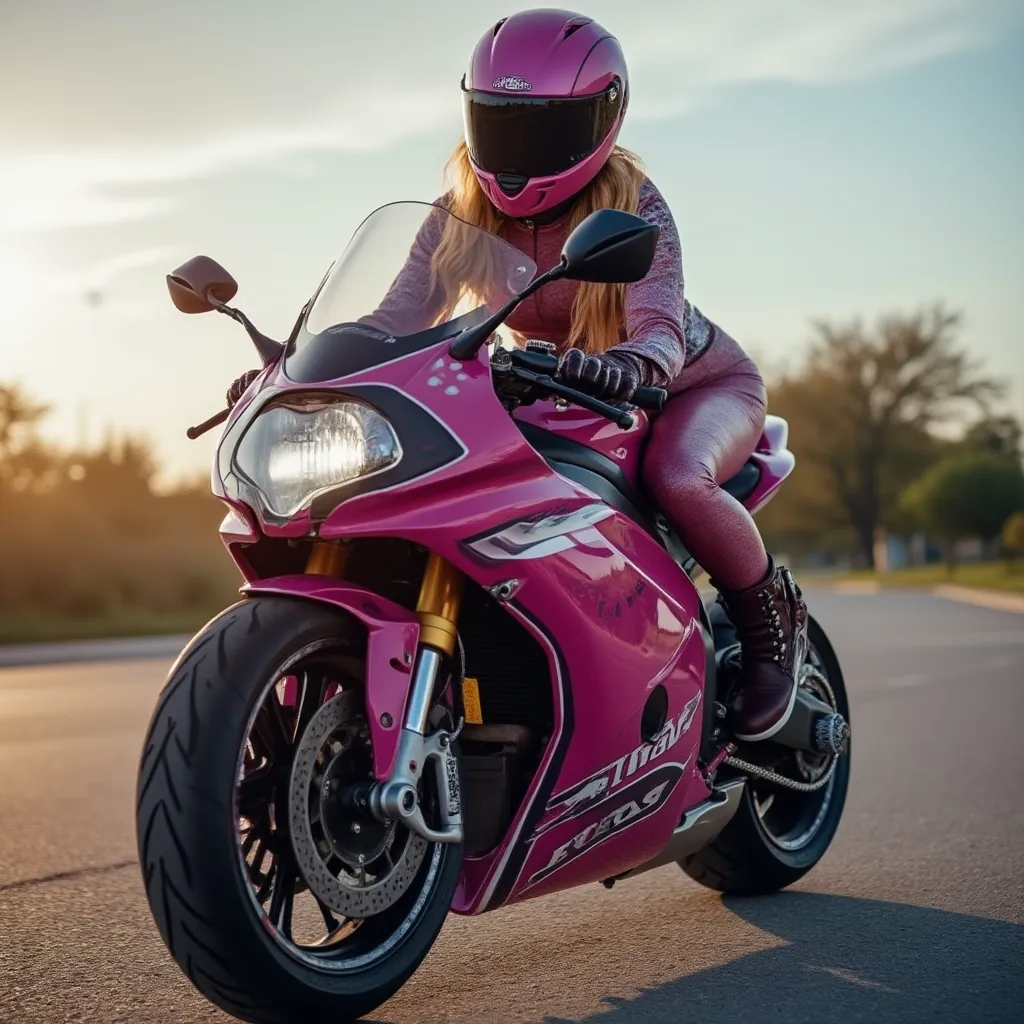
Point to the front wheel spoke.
(271, 729)
(266, 881)
(311, 696)
(330, 921)
(254, 793)
(282, 896)
(253, 835)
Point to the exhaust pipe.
(698, 828)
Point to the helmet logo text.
(512, 83)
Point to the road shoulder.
(19, 655)
(998, 600)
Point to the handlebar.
(214, 421)
(545, 366)
(652, 399)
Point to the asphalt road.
(915, 914)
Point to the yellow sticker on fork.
(471, 702)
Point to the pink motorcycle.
(470, 666)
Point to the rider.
(543, 102)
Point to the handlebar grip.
(538, 362)
(653, 399)
(201, 428)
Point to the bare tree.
(867, 402)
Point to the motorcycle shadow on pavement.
(845, 959)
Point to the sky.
(823, 160)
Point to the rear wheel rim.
(790, 820)
(297, 919)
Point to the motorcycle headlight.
(301, 446)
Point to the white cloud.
(687, 55)
(681, 54)
(56, 190)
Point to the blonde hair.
(598, 309)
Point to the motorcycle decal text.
(629, 807)
(578, 799)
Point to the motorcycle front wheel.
(280, 901)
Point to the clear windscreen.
(411, 267)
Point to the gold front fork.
(327, 558)
(440, 592)
(438, 604)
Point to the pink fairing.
(548, 53)
(624, 447)
(614, 615)
(392, 635)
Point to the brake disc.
(336, 864)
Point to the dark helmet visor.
(536, 136)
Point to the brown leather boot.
(771, 620)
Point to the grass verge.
(982, 575)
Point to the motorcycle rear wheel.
(213, 823)
(778, 835)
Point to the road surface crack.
(62, 876)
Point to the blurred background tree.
(1013, 540)
(864, 412)
(91, 544)
(1000, 435)
(88, 544)
(968, 495)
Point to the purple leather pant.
(710, 427)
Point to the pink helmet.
(543, 102)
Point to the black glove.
(611, 376)
(238, 388)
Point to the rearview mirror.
(201, 285)
(610, 247)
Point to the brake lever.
(619, 417)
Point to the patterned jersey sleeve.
(654, 307)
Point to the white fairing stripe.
(525, 540)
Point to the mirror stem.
(471, 340)
(267, 348)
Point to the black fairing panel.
(428, 445)
(347, 349)
(556, 448)
(743, 484)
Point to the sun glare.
(24, 285)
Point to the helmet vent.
(498, 26)
(574, 26)
(511, 184)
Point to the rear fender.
(392, 636)
(774, 460)
(775, 467)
